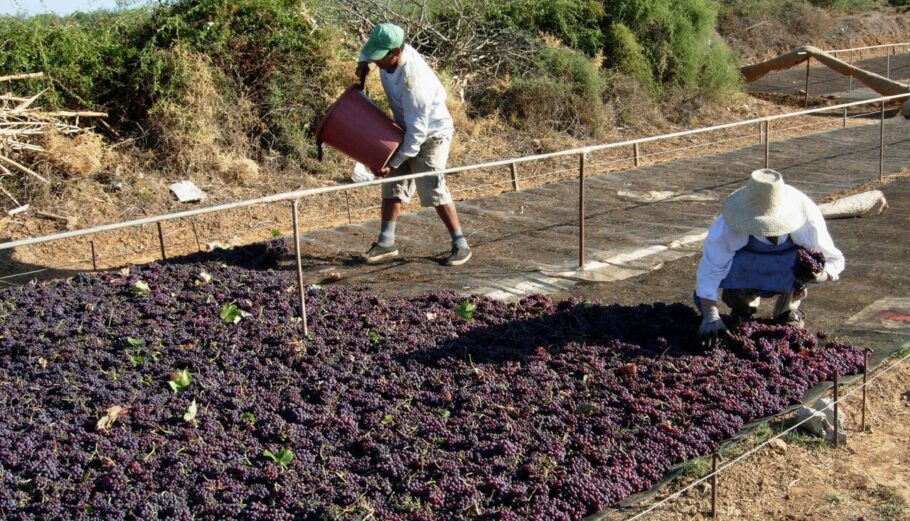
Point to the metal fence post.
(881, 151)
(761, 132)
(300, 287)
(161, 241)
(850, 62)
(347, 202)
(581, 210)
(513, 170)
(94, 261)
(862, 417)
(888, 62)
(845, 117)
(196, 235)
(714, 486)
(836, 411)
(767, 143)
(808, 62)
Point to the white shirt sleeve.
(814, 236)
(416, 105)
(720, 246)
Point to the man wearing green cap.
(418, 102)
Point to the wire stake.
(714, 486)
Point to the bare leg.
(447, 213)
(392, 207)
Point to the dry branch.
(24, 168)
(25, 76)
(20, 123)
(457, 37)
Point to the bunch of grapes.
(188, 390)
(808, 264)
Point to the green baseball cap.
(383, 39)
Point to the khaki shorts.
(432, 189)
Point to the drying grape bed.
(189, 391)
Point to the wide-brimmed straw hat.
(766, 206)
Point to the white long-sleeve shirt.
(418, 102)
(722, 243)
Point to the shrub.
(629, 55)
(272, 49)
(202, 120)
(677, 39)
(661, 43)
(85, 56)
(574, 22)
(846, 5)
(565, 93)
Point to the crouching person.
(749, 254)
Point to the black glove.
(363, 68)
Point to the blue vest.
(761, 266)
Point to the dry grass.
(78, 156)
(201, 130)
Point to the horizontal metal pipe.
(287, 196)
(834, 51)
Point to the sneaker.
(794, 318)
(378, 253)
(458, 256)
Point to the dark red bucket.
(359, 129)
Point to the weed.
(806, 441)
(696, 468)
(836, 498)
(894, 506)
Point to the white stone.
(187, 192)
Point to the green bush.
(676, 39)
(845, 5)
(271, 48)
(661, 43)
(86, 57)
(629, 55)
(565, 93)
(266, 51)
(573, 22)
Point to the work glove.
(814, 278)
(712, 328)
(363, 68)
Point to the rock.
(815, 423)
(841, 436)
(825, 406)
(187, 192)
(778, 445)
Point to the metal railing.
(511, 163)
(582, 153)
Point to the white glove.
(820, 277)
(712, 328)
